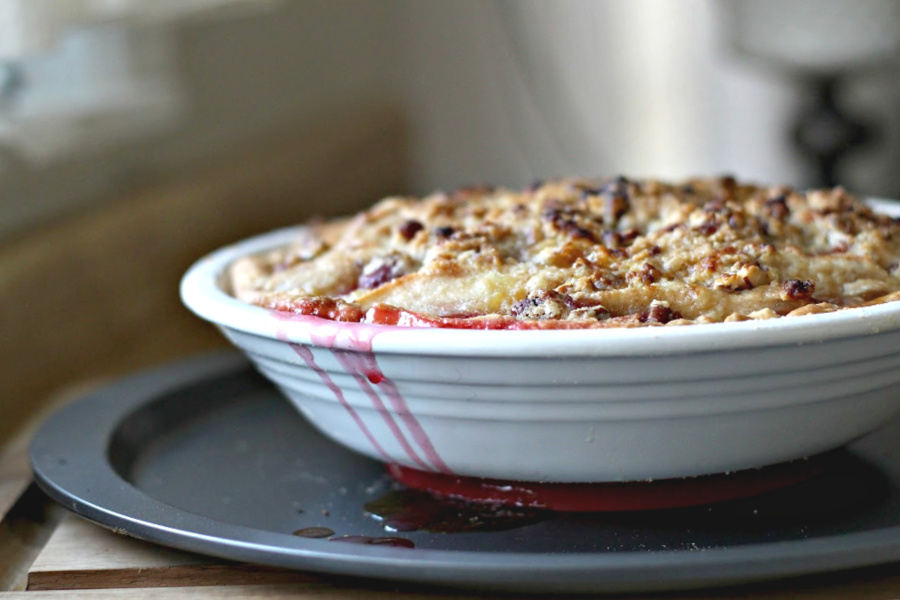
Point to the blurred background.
(98, 94)
(137, 134)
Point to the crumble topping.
(574, 253)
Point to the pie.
(584, 253)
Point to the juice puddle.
(413, 510)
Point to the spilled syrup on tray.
(616, 496)
(394, 542)
(314, 532)
(826, 500)
(413, 510)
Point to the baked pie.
(584, 253)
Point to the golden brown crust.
(586, 253)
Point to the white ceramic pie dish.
(575, 405)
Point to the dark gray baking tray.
(206, 456)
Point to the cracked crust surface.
(575, 253)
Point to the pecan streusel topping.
(578, 253)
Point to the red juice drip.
(351, 344)
(412, 424)
(353, 364)
(305, 353)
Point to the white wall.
(512, 91)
